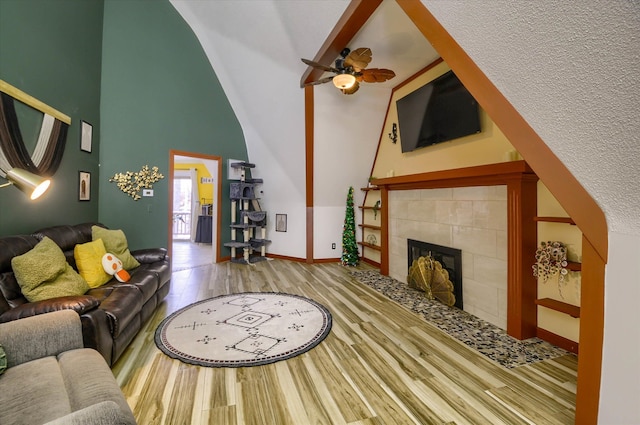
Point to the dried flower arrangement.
(132, 183)
(551, 258)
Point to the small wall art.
(133, 183)
(281, 222)
(84, 186)
(86, 136)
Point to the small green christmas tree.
(350, 256)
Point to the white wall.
(255, 49)
(570, 69)
(347, 131)
(620, 387)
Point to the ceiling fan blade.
(318, 66)
(320, 81)
(352, 89)
(376, 75)
(358, 59)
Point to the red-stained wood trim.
(370, 262)
(522, 240)
(286, 257)
(565, 220)
(561, 306)
(479, 175)
(591, 334)
(384, 230)
(309, 168)
(353, 18)
(558, 341)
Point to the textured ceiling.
(570, 69)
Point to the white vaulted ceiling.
(573, 80)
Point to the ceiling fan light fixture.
(344, 81)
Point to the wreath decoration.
(551, 258)
(132, 183)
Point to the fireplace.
(450, 258)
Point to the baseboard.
(370, 262)
(557, 340)
(285, 257)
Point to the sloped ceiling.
(255, 49)
(572, 80)
(570, 69)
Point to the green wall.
(159, 92)
(52, 50)
(137, 73)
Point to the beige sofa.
(51, 379)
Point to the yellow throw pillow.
(89, 262)
(115, 242)
(43, 273)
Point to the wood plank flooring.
(381, 364)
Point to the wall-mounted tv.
(439, 111)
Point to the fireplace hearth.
(450, 258)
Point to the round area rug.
(247, 329)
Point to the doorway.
(194, 209)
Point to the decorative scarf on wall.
(49, 149)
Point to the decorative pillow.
(112, 265)
(3, 360)
(43, 273)
(115, 242)
(89, 262)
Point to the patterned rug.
(247, 329)
(474, 332)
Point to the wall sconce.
(394, 133)
(31, 184)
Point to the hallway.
(187, 255)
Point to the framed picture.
(84, 186)
(281, 222)
(86, 134)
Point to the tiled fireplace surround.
(472, 219)
(486, 211)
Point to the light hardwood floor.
(381, 364)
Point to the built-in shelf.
(566, 220)
(366, 189)
(368, 245)
(562, 307)
(369, 226)
(573, 266)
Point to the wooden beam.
(591, 335)
(309, 168)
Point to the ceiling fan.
(350, 70)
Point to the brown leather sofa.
(111, 314)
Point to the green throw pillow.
(3, 360)
(43, 273)
(115, 242)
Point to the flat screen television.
(439, 111)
